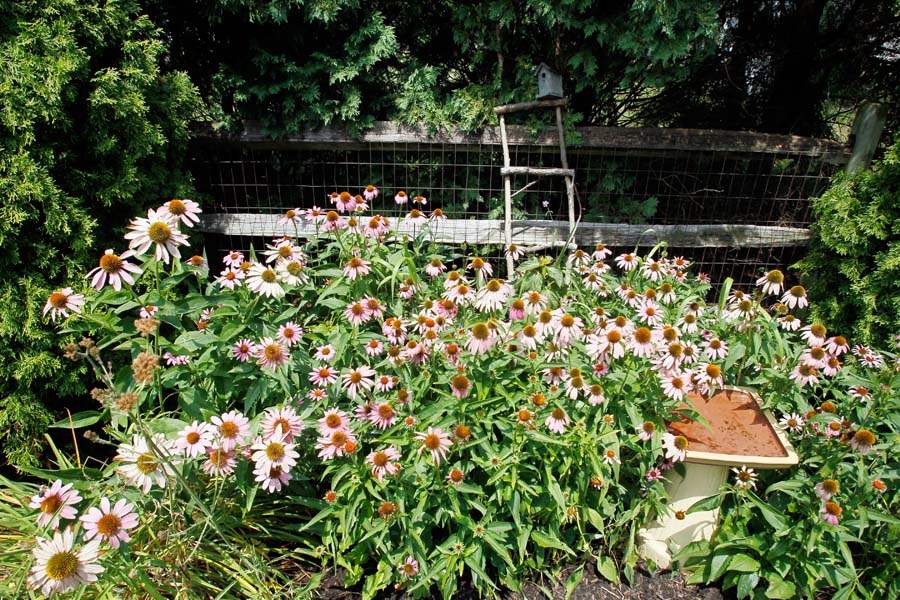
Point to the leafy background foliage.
(91, 127)
(853, 266)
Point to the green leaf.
(743, 563)
(708, 503)
(606, 566)
(82, 419)
(573, 580)
(780, 589)
(746, 583)
(546, 541)
(772, 516)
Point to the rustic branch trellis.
(735, 202)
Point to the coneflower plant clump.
(392, 407)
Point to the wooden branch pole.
(507, 200)
(505, 109)
(866, 132)
(570, 177)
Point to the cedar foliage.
(853, 266)
(91, 127)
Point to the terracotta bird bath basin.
(739, 433)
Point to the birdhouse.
(549, 83)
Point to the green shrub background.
(853, 266)
(91, 128)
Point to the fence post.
(867, 128)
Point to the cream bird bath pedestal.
(740, 433)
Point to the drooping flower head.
(158, 231)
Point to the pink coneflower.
(481, 267)
(374, 348)
(594, 283)
(230, 278)
(575, 385)
(456, 477)
(675, 446)
(671, 355)
(795, 297)
(157, 230)
(409, 568)
(370, 193)
(595, 395)
(649, 313)
(333, 221)
(356, 267)
(323, 376)
(831, 512)
(289, 334)
(263, 280)
(579, 260)
(708, 376)
(481, 339)
(653, 270)
(219, 462)
(641, 342)
(384, 383)
(436, 441)
(243, 350)
(601, 252)
(715, 349)
(420, 200)
(356, 314)
(148, 311)
(860, 393)
(408, 288)
(232, 428)
(557, 420)
(181, 210)
(344, 202)
(358, 380)
(871, 359)
(535, 302)
(384, 462)
(814, 357)
(335, 444)
(833, 428)
(435, 267)
(827, 488)
(233, 259)
(771, 282)
(58, 567)
(113, 268)
(814, 334)
(383, 415)
(791, 422)
(567, 328)
(837, 345)
(461, 294)
(61, 302)
(416, 217)
(401, 198)
(676, 384)
(554, 375)
(316, 394)
(194, 439)
(325, 353)
(653, 474)
(460, 385)
(283, 421)
(271, 354)
(292, 216)
(804, 375)
(438, 215)
(314, 215)
(492, 296)
(517, 310)
(110, 523)
(627, 262)
(862, 441)
(334, 420)
(646, 431)
(175, 360)
(453, 279)
(416, 352)
(273, 479)
(54, 503)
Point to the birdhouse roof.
(544, 66)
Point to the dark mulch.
(646, 586)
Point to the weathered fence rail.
(734, 202)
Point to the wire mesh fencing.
(760, 187)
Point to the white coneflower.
(676, 384)
(435, 267)
(61, 301)
(514, 252)
(436, 442)
(675, 446)
(274, 452)
(492, 296)
(292, 272)
(359, 380)
(771, 282)
(627, 261)
(232, 428)
(610, 457)
(292, 216)
(356, 268)
(557, 420)
(158, 231)
(789, 323)
(59, 568)
(795, 297)
(715, 348)
(535, 302)
(744, 478)
(181, 210)
(142, 466)
(263, 280)
(481, 267)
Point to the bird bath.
(740, 433)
